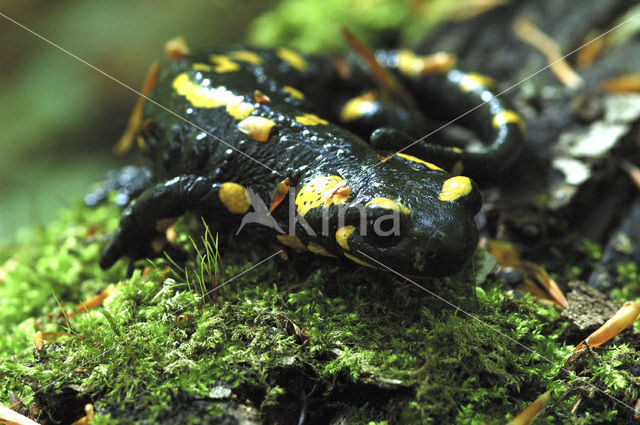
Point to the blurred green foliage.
(59, 118)
(304, 25)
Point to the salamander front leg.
(139, 235)
(129, 181)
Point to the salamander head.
(422, 224)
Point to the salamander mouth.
(382, 256)
(421, 255)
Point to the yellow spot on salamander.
(202, 67)
(235, 197)
(342, 236)
(388, 204)
(246, 56)
(454, 188)
(414, 65)
(240, 110)
(407, 63)
(310, 119)
(322, 191)
(294, 92)
(292, 57)
(292, 241)
(419, 161)
(472, 81)
(223, 63)
(207, 97)
(357, 260)
(319, 250)
(258, 128)
(506, 117)
(357, 107)
(456, 149)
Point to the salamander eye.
(384, 226)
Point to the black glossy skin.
(437, 237)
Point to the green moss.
(351, 339)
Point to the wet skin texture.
(307, 123)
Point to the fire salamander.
(265, 122)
